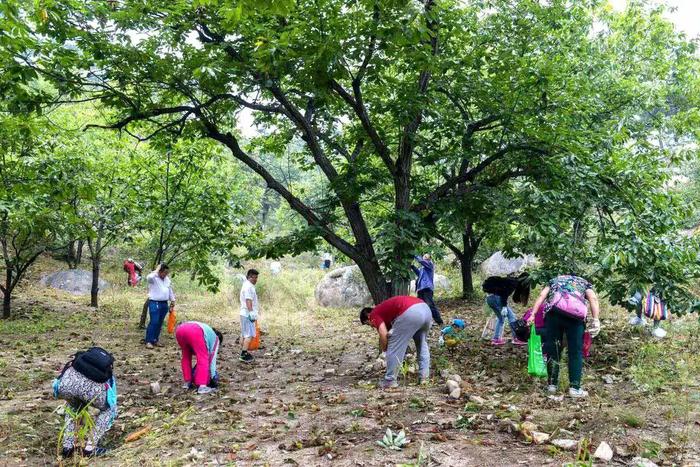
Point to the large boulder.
(75, 281)
(499, 265)
(439, 281)
(343, 288)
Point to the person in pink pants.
(202, 341)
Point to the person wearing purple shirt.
(425, 286)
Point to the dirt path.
(309, 399)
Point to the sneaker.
(187, 386)
(149, 345)
(158, 344)
(205, 390)
(94, 452)
(552, 388)
(659, 333)
(577, 393)
(498, 341)
(67, 452)
(384, 384)
(637, 321)
(246, 357)
(517, 341)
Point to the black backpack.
(95, 364)
(521, 329)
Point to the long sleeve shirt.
(424, 275)
(159, 290)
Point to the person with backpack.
(425, 287)
(87, 381)
(652, 306)
(133, 272)
(398, 320)
(566, 299)
(202, 341)
(160, 292)
(498, 289)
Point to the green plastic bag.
(535, 360)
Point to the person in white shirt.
(249, 313)
(160, 292)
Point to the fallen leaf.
(137, 434)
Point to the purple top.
(425, 274)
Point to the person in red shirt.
(407, 318)
(133, 271)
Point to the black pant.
(427, 296)
(557, 325)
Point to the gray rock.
(155, 387)
(499, 265)
(343, 288)
(75, 281)
(456, 394)
(539, 438)
(452, 386)
(441, 283)
(604, 452)
(565, 444)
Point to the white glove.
(253, 316)
(504, 312)
(441, 340)
(594, 327)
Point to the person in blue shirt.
(424, 284)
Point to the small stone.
(608, 379)
(565, 444)
(604, 452)
(565, 432)
(295, 351)
(456, 394)
(539, 438)
(477, 400)
(316, 379)
(329, 372)
(556, 398)
(445, 373)
(155, 387)
(643, 462)
(455, 377)
(452, 385)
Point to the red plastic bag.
(587, 343)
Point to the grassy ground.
(310, 399)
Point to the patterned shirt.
(567, 284)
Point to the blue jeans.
(495, 302)
(158, 311)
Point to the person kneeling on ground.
(452, 334)
(498, 290)
(566, 299)
(203, 341)
(85, 381)
(407, 318)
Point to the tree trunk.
(7, 294)
(79, 252)
(94, 290)
(466, 263)
(144, 314)
(470, 245)
(71, 255)
(377, 284)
